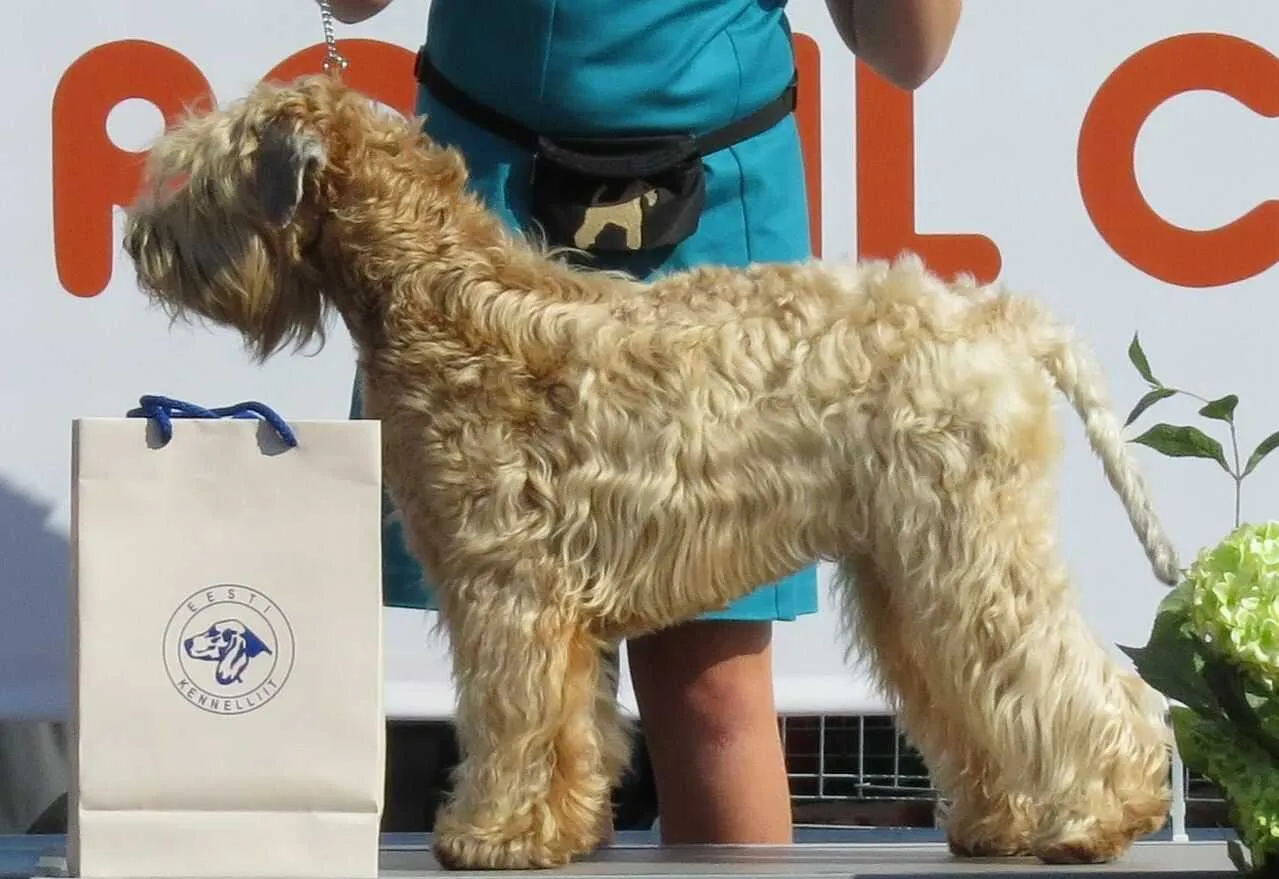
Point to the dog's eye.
(226, 637)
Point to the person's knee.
(728, 707)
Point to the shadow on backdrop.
(34, 663)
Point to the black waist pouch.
(618, 195)
(612, 195)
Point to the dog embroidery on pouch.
(229, 643)
(626, 217)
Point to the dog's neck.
(430, 257)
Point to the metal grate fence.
(865, 760)
(858, 757)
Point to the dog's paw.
(988, 848)
(1101, 839)
(461, 850)
(1094, 847)
(999, 830)
(1083, 851)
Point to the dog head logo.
(228, 649)
(229, 643)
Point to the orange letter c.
(1107, 175)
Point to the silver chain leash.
(333, 60)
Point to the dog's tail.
(1079, 378)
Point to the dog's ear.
(285, 159)
(232, 662)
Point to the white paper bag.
(228, 649)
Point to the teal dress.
(589, 67)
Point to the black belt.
(503, 126)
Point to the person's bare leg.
(705, 694)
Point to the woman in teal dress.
(612, 67)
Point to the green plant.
(1185, 441)
(1214, 649)
(1214, 645)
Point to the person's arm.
(904, 41)
(353, 11)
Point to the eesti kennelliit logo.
(228, 649)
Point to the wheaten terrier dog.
(580, 458)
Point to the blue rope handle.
(162, 410)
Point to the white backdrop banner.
(1114, 160)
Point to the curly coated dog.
(580, 458)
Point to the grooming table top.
(409, 857)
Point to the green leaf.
(1265, 447)
(1173, 673)
(1150, 399)
(1227, 684)
(1239, 856)
(1185, 725)
(1222, 409)
(1138, 358)
(1189, 730)
(1171, 661)
(1183, 441)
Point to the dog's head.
(230, 224)
(228, 643)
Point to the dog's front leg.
(532, 788)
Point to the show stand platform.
(820, 852)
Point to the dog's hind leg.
(897, 658)
(1044, 729)
(532, 788)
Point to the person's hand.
(352, 11)
(904, 41)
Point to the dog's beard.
(226, 274)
